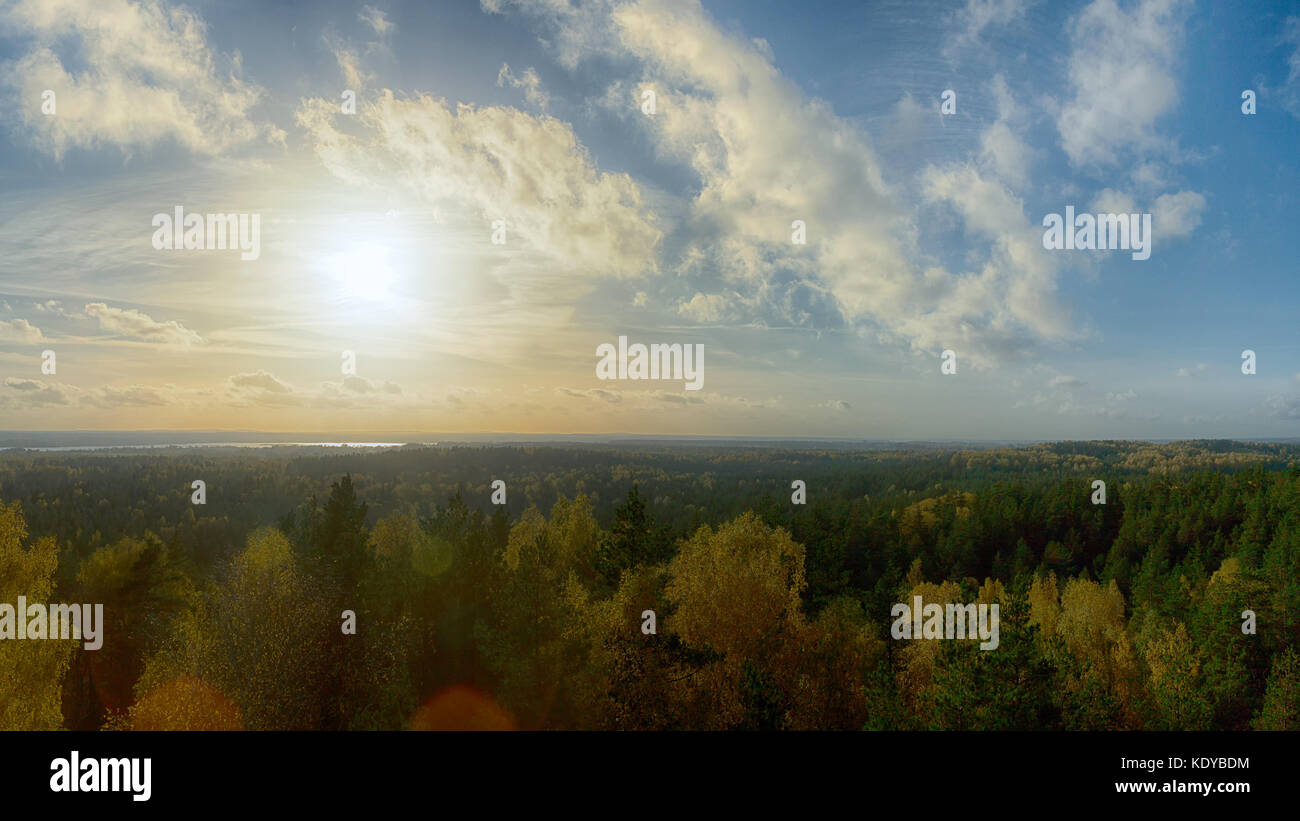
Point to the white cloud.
(705, 308)
(259, 380)
(376, 19)
(140, 72)
(36, 393)
(1016, 287)
(503, 164)
(261, 388)
(1289, 92)
(764, 155)
(1122, 78)
(32, 393)
(135, 324)
(349, 62)
(20, 331)
(1006, 153)
(1110, 201)
(528, 81)
(1173, 216)
(980, 14)
(1176, 215)
(1001, 147)
(356, 385)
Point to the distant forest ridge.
(10, 439)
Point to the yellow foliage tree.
(735, 596)
(258, 638)
(31, 672)
(1093, 629)
(1177, 687)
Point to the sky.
(839, 208)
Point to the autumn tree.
(1281, 709)
(259, 638)
(31, 672)
(736, 597)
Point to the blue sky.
(923, 228)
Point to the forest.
(768, 614)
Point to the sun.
(363, 272)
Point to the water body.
(156, 446)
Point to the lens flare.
(461, 708)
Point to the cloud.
(376, 19)
(1173, 216)
(1122, 79)
(706, 308)
(1063, 381)
(109, 396)
(1289, 92)
(261, 388)
(32, 393)
(259, 380)
(135, 324)
(1110, 201)
(979, 15)
(836, 404)
(765, 155)
(1200, 368)
(529, 82)
(350, 65)
(1283, 407)
(612, 397)
(675, 398)
(1177, 215)
(20, 331)
(356, 386)
(1011, 300)
(138, 72)
(1003, 151)
(531, 172)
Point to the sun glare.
(363, 272)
